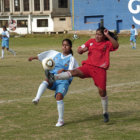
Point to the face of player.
(66, 48)
(4, 29)
(133, 27)
(99, 36)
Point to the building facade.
(113, 14)
(28, 16)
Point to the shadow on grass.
(115, 118)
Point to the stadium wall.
(114, 14)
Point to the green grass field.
(19, 81)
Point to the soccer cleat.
(106, 117)
(35, 101)
(133, 47)
(59, 123)
(50, 76)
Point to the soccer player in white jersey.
(5, 42)
(133, 35)
(63, 61)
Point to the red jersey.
(99, 53)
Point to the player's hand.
(106, 32)
(82, 49)
(60, 71)
(30, 59)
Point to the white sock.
(135, 45)
(104, 101)
(12, 51)
(63, 76)
(60, 108)
(43, 86)
(2, 53)
(131, 44)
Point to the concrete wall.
(113, 12)
(54, 16)
(61, 25)
(32, 24)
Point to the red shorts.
(98, 75)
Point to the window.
(46, 5)
(42, 23)
(26, 5)
(93, 19)
(6, 6)
(17, 5)
(0, 6)
(37, 5)
(3, 23)
(63, 3)
(22, 23)
(62, 19)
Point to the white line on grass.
(74, 92)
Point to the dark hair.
(70, 43)
(4, 27)
(113, 35)
(133, 25)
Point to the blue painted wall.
(115, 14)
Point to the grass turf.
(21, 120)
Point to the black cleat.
(106, 117)
(50, 76)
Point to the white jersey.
(66, 62)
(5, 33)
(133, 32)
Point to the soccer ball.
(48, 64)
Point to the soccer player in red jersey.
(96, 64)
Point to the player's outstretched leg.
(2, 53)
(49, 76)
(43, 86)
(135, 45)
(131, 43)
(12, 51)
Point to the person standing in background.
(133, 36)
(5, 42)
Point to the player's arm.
(32, 58)
(4, 35)
(82, 49)
(111, 39)
(61, 70)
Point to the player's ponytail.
(70, 43)
(113, 35)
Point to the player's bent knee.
(59, 96)
(102, 92)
